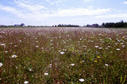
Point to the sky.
(51, 12)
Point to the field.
(63, 56)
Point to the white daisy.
(123, 46)
(118, 49)
(106, 65)
(1, 64)
(14, 56)
(3, 44)
(26, 82)
(6, 51)
(100, 48)
(50, 65)
(81, 80)
(96, 46)
(20, 40)
(46, 74)
(37, 41)
(37, 46)
(30, 69)
(72, 64)
(62, 53)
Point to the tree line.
(120, 24)
(65, 25)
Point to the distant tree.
(93, 25)
(22, 24)
(116, 25)
(67, 25)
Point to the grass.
(63, 56)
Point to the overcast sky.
(50, 12)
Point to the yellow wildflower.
(98, 57)
(95, 61)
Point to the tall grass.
(63, 56)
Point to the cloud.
(125, 2)
(29, 6)
(11, 10)
(36, 14)
(81, 12)
(121, 15)
(87, 0)
(54, 2)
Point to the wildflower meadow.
(63, 56)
